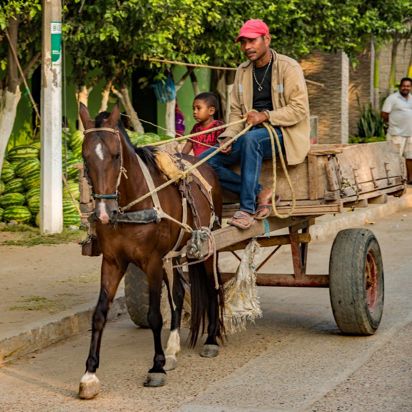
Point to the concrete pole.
(51, 215)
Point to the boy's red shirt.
(208, 138)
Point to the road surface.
(293, 359)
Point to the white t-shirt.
(400, 114)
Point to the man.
(271, 88)
(397, 110)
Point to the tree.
(386, 22)
(22, 20)
(82, 32)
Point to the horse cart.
(330, 180)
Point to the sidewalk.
(49, 292)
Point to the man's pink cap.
(252, 29)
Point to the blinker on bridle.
(122, 169)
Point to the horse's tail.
(201, 288)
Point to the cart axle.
(276, 279)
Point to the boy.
(204, 107)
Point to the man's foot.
(265, 209)
(242, 220)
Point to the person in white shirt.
(397, 111)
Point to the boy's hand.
(227, 150)
(255, 118)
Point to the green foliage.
(28, 15)
(371, 127)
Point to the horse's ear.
(85, 117)
(114, 115)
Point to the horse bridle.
(122, 169)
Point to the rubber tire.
(137, 295)
(347, 288)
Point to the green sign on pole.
(56, 43)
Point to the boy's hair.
(209, 98)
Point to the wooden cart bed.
(374, 169)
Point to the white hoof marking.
(89, 377)
(173, 344)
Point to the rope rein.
(212, 249)
(177, 139)
(274, 138)
(187, 171)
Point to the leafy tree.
(22, 20)
(387, 22)
(116, 36)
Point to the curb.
(54, 328)
(332, 225)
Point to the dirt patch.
(41, 280)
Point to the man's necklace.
(260, 85)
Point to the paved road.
(293, 359)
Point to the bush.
(370, 125)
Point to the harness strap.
(150, 184)
(101, 129)
(204, 187)
(155, 197)
(199, 176)
(184, 221)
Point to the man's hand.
(227, 150)
(255, 118)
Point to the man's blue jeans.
(249, 150)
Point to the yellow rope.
(188, 171)
(274, 137)
(176, 139)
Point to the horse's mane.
(147, 154)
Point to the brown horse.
(107, 154)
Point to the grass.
(89, 278)
(19, 228)
(40, 303)
(31, 236)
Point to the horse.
(109, 157)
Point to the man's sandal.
(264, 210)
(240, 216)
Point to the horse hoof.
(210, 351)
(89, 386)
(154, 380)
(171, 363)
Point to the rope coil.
(274, 138)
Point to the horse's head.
(102, 154)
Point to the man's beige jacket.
(290, 104)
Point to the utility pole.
(51, 214)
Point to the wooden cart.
(332, 178)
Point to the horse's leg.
(211, 347)
(173, 343)
(157, 375)
(110, 279)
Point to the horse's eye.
(118, 156)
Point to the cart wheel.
(137, 295)
(356, 282)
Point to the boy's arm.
(187, 148)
